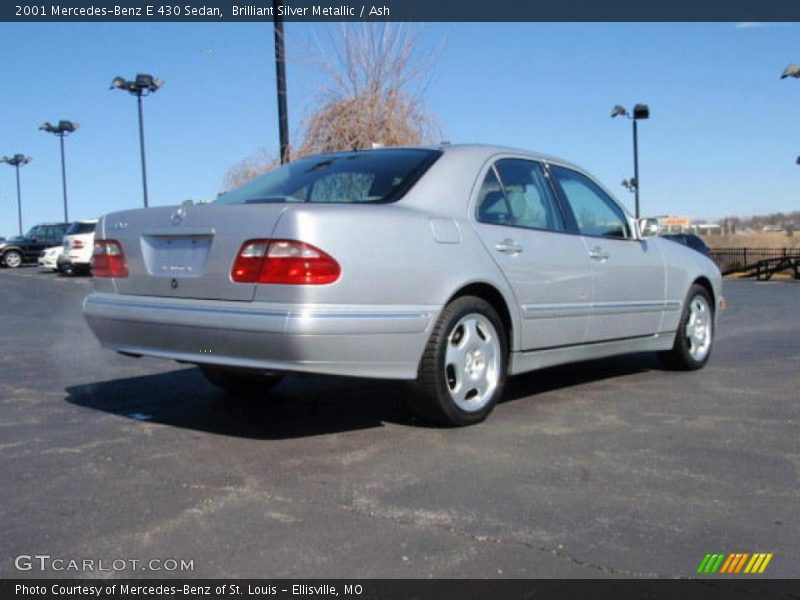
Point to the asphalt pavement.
(609, 468)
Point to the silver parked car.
(455, 266)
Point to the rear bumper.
(77, 258)
(364, 341)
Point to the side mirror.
(648, 228)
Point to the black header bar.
(401, 10)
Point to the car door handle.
(508, 247)
(597, 253)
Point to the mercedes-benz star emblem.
(177, 216)
(174, 283)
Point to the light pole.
(63, 129)
(143, 85)
(640, 111)
(17, 161)
(280, 75)
(792, 71)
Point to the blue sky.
(722, 138)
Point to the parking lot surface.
(610, 468)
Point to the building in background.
(673, 224)
(703, 228)
(667, 224)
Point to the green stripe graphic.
(711, 563)
(703, 563)
(718, 564)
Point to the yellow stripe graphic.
(754, 563)
(765, 563)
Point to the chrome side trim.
(299, 314)
(587, 309)
(521, 362)
(216, 314)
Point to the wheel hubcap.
(12, 259)
(472, 362)
(698, 328)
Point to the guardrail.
(738, 260)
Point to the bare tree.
(374, 76)
(249, 168)
(375, 79)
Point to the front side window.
(595, 212)
(369, 176)
(52, 232)
(521, 196)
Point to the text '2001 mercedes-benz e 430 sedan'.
(454, 266)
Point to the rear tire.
(463, 369)
(241, 382)
(695, 336)
(12, 259)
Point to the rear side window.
(369, 176)
(493, 205)
(595, 212)
(521, 196)
(80, 228)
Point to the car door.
(629, 285)
(35, 244)
(522, 225)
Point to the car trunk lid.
(188, 251)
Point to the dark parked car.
(26, 249)
(689, 239)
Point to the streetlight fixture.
(17, 161)
(640, 111)
(791, 71)
(63, 129)
(143, 85)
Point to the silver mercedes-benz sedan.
(454, 266)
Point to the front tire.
(695, 336)
(12, 259)
(241, 382)
(463, 369)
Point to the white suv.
(78, 247)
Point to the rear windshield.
(79, 228)
(369, 176)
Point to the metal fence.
(734, 260)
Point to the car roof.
(492, 149)
(470, 150)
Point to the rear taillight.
(76, 244)
(284, 261)
(108, 259)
